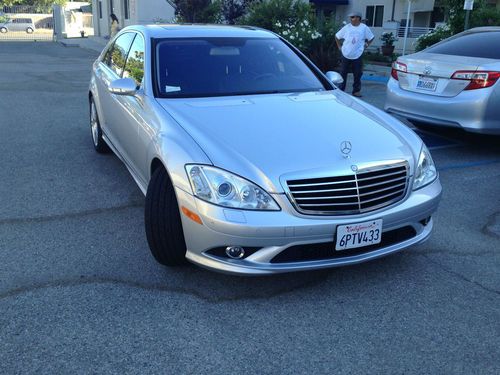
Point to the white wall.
(155, 10)
(140, 12)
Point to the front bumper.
(275, 232)
(474, 111)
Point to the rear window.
(482, 44)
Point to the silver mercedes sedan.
(454, 83)
(251, 160)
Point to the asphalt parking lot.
(80, 292)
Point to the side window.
(118, 53)
(134, 68)
(107, 56)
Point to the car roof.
(197, 31)
(481, 29)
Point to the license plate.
(427, 84)
(358, 235)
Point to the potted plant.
(388, 40)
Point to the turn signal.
(190, 214)
(478, 79)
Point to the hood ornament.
(345, 148)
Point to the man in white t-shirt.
(352, 40)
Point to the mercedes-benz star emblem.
(345, 148)
(427, 70)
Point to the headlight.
(225, 189)
(426, 170)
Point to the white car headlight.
(426, 170)
(226, 189)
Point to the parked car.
(18, 24)
(453, 83)
(251, 160)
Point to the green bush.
(198, 11)
(295, 21)
(432, 37)
(269, 14)
(369, 57)
(323, 50)
(482, 15)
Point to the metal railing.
(32, 9)
(413, 32)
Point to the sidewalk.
(376, 73)
(93, 43)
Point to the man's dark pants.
(357, 69)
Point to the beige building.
(130, 12)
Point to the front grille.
(363, 191)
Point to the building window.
(100, 9)
(375, 15)
(126, 6)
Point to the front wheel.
(3, 30)
(29, 30)
(96, 131)
(163, 221)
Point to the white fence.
(413, 32)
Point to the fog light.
(425, 221)
(235, 252)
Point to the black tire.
(95, 130)
(3, 30)
(163, 221)
(29, 30)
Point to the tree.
(37, 3)
(233, 10)
(482, 15)
(197, 11)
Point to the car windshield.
(480, 44)
(230, 66)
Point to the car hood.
(265, 137)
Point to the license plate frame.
(426, 84)
(352, 236)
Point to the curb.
(68, 44)
(374, 78)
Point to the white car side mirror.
(123, 86)
(334, 77)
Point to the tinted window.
(483, 44)
(134, 68)
(230, 66)
(117, 54)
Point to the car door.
(109, 69)
(15, 24)
(130, 115)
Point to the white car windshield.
(203, 67)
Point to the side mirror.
(334, 77)
(123, 86)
